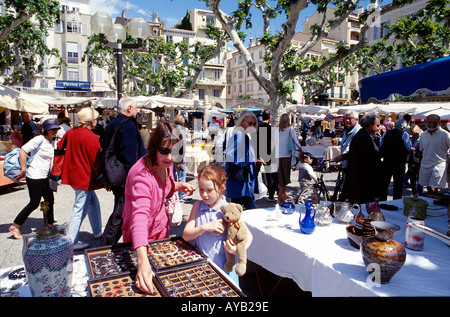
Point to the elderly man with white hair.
(435, 144)
(394, 148)
(128, 149)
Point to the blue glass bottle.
(307, 225)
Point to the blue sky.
(172, 11)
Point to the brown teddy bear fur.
(238, 233)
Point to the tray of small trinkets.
(111, 260)
(120, 258)
(171, 252)
(121, 285)
(199, 280)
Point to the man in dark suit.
(364, 172)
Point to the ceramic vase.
(385, 255)
(48, 260)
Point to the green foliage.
(177, 64)
(22, 44)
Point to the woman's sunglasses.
(164, 150)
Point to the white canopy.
(19, 101)
(152, 102)
(378, 108)
(309, 109)
(442, 110)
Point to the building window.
(72, 26)
(169, 38)
(210, 19)
(201, 94)
(202, 74)
(72, 52)
(240, 74)
(72, 74)
(217, 74)
(217, 93)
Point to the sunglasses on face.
(164, 150)
(251, 123)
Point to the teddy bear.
(238, 233)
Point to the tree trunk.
(278, 107)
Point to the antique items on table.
(323, 215)
(374, 211)
(381, 253)
(343, 211)
(360, 230)
(180, 270)
(307, 224)
(327, 264)
(48, 260)
(419, 205)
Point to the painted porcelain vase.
(382, 253)
(48, 261)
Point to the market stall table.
(195, 159)
(327, 265)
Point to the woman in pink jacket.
(149, 183)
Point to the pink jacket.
(144, 214)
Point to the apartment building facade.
(347, 32)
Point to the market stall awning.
(379, 108)
(152, 102)
(309, 109)
(433, 76)
(442, 110)
(15, 100)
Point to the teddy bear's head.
(231, 212)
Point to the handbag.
(115, 171)
(292, 145)
(58, 161)
(237, 173)
(12, 167)
(174, 210)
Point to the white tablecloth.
(327, 265)
(195, 160)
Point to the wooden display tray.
(120, 258)
(172, 252)
(200, 280)
(121, 285)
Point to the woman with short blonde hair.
(80, 170)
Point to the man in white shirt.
(435, 144)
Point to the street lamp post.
(113, 35)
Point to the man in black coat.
(394, 148)
(364, 171)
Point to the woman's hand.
(186, 188)
(20, 175)
(144, 276)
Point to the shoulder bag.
(115, 171)
(12, 167)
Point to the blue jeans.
(181, 176)
(86, 203)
